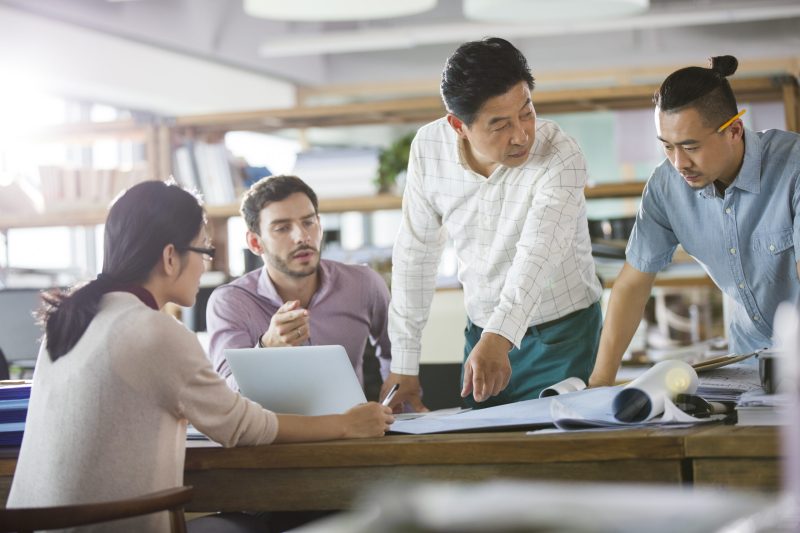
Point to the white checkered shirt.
(521, 237)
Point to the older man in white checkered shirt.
(509, 193)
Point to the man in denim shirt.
(729, 196)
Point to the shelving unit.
(160, 138)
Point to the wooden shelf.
(411, 110)
(630, 189)
(73, 217)
(93, 215)
(366, 204)
(381, 202)
(428, 108)
(96, 215)
(79, 133)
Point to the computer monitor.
(20, 336)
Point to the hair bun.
(724, 65)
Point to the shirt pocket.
(772, 251)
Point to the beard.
(282, 264)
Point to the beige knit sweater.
(108, 419)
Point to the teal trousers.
(549, 353)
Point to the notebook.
(302, 380)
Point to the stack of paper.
(728, 383)
(757, 408)
(14, 398)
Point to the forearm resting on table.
(295, 428)
(625, 307)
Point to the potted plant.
(392, 162)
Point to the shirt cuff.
(650, 267)
(512, 326)
(405, 363)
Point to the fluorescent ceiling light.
(548, 10)
(321, 10)
(371, 39)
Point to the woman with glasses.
(117, 380)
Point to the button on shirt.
(747, 240)
(520, 235)
(349, 308)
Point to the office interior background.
(98, 94)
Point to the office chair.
(23, 520)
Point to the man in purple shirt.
(297, 298)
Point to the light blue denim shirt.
(747, 240)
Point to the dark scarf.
(111, 285)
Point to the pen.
(391, 394)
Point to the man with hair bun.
(729, 196)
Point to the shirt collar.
(266, 287)
(108, 284)
(749, 177)
(145, 296)
(461, 148)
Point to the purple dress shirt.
(349, 308)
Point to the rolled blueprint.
(562, 387)
(643, 398)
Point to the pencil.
(731, 121)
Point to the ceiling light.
(549, 10)
(328, 10)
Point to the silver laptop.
(302, 380)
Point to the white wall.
(443, 337)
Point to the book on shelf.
(206, 168)
(66, 188)
(340, 172)
(185, 167)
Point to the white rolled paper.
(562, 387)
(643, 398)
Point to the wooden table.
(330, 475)
(735, 456)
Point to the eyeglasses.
(209, 252)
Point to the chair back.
(23, 520)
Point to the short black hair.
(272, 189)
(705, 89)
(478, 71)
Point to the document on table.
(596, 403)
(569, 419)
(431, 414)
(728, 383)
(640, 401)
